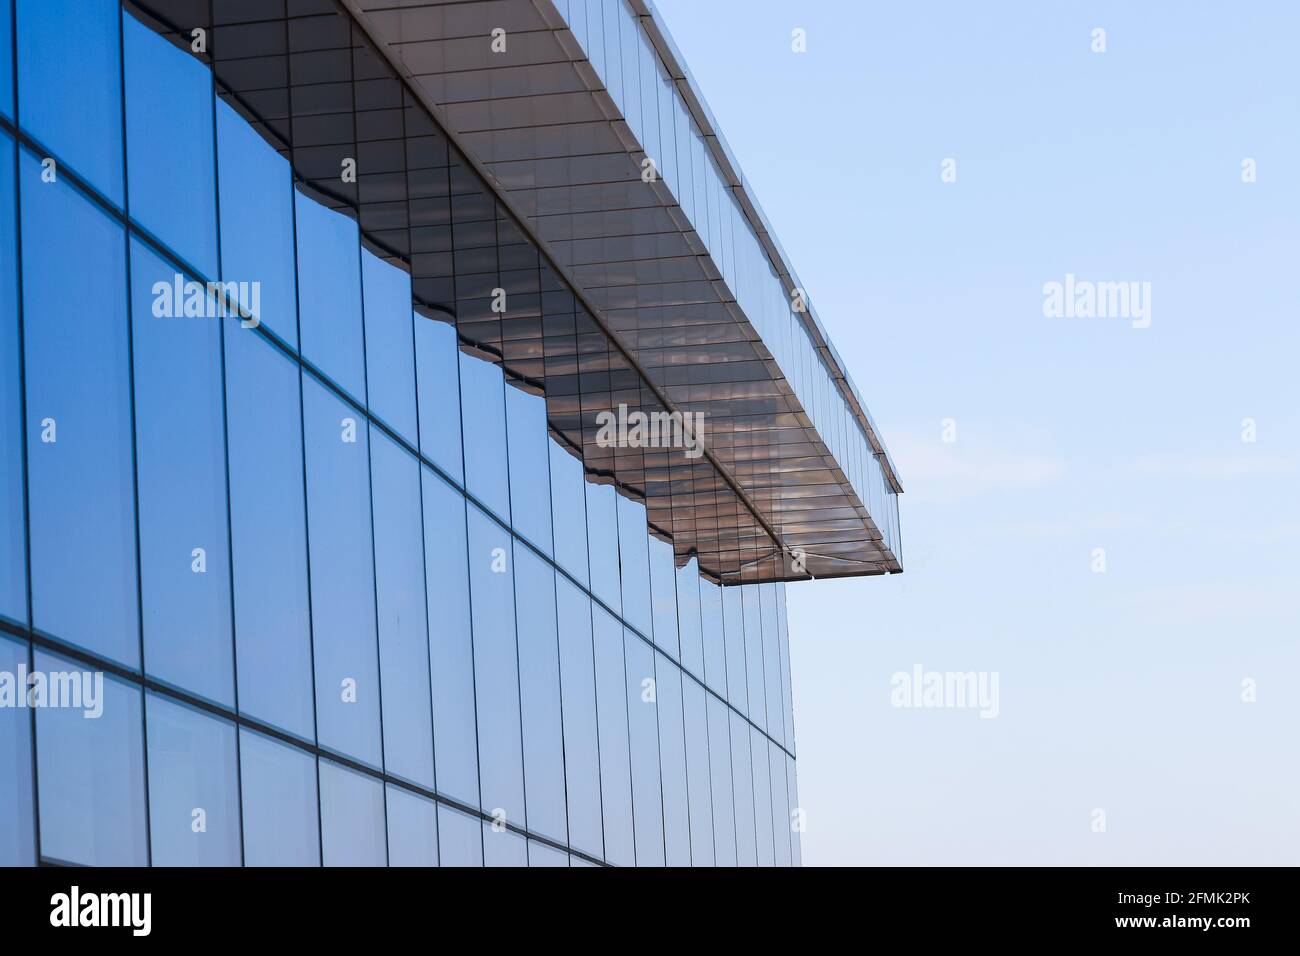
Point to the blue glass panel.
(13, 535)
(780, 804)
(602, 543)
(170, 175)
(581, 749)
(615, 759)
(724, 809)
(257, 223)
(269, 533)
(6, 59)
(569, 510)
(754, 655)
(762, 797)
(783, 636)
(451, 648)
(193, 786)
(329, 294)
(742, 779)
(181, 468)
(733, 626)
(503, 847)
(18, 835)
(352, 817)
(539, 854)
(672, 762)
(412, 829)
(796, 857)
(771, 662)
(688, 616)
(698, 781)
(634, 561)
(483, 412)
(539, 694)
(496, 676)
(715, 647)
(460, 838)
(390, 344)
(438, 383)
(342, 575)
(80, 480)
(643, 735)
(403, 632)
(530, 486)
(70, 85)
(90, 772)
(278, 782)
(663, 594)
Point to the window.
(539, 692)
(70, 87)
(460, 838)
(754, 655)
(169, 128)
(643, 734)
(715, 651)
(496, 675)
(193, 781)
(181, 468)
(783, 637)
(90, 772)
(724, 806)
(530, 488)
(772, 680)
(503, 847)
(390, 344)
(451, 649)
(438, 388)
(412, 829)
(403, 630)
(80, 478)
(281, 826)
(329, 290)
(483, 412)
(793, 802)
(269, 533)
(602, 543)
(780, 804)
(689, 587)
(698, 782)
(13, 535)
(569, 510)
(17, 836)
(672, 761)
(578, 702)
(733, 626)
(634, 558)
(663, 592)
(742, 778)
(6, 60)
(257, 223)
(352, 817)
(615, 758)
(539, 854)
(762, 797)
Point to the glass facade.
(353, 596)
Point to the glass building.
(316, 544)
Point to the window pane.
(280, 803)
(90, 773)
(762, 797)
(672, 761)
(483, 410)
(615, 760)
(181, 463)
(193, 774)
(742, 779)
(460, 838)
(496, 677)
(771, 662)
(724, 809)
(569, 510)
(451, 650)
(688, 616)
(329, 290)
(581, 756)
(6, 59)
(412, 829)
(13, 536)
(754, 655)
(698, 781)
(17, 836)
(634, 560)
(530, 487)
(70, 86)
(539, 854)
(793, 800)
(539, 692)
(390, 344)
(80, 482)
(169, 128)
(783, 637)
(352, 817)
(503, 847)
(438, 380)
(602, 543)
(269, 533)
(780, 804)
(643, 733)
(403, 633)
(715, 649)
(734, 637)
(663, 592)
(257, 222)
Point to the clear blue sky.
(1119, 690)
